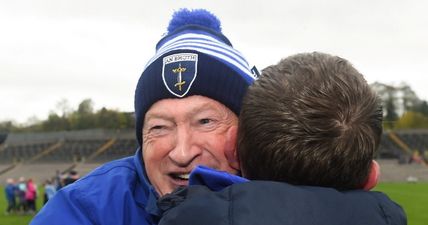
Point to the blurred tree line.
(402, 108)
(84, 117)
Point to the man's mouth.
(180, 176)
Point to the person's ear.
(373, 177)
(230, 151)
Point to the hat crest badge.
(178, 72)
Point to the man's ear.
(231, 152)
(373, 177)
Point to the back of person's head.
(312, 119)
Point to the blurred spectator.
(22, 188)
(71, 178)
(416, 157)
(30, 196)
(58, 181)
(10, 191)
(50, 191)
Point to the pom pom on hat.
(200, 17)
(194, 58)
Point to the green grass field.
(412, 197)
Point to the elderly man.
(186, 104)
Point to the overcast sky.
(75, 49)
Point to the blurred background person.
(50, 191)
(21, 189)
(30, 196)
(10, 191)
(71, 178)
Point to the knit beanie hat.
(193, 58)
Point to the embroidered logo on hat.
(179, 71)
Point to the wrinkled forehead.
(188, 107)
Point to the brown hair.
(311, 119)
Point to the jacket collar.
(145, 195)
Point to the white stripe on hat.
(211, 45)
(190, 35)
(233, 62)
(200, 37)
(205, 44)
(208, 47)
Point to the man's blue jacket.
(115, 193)
(118, 193)
(225, 199)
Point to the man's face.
(179, 134)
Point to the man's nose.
(184, 151)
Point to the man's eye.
(205, 121)
(158, 127)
